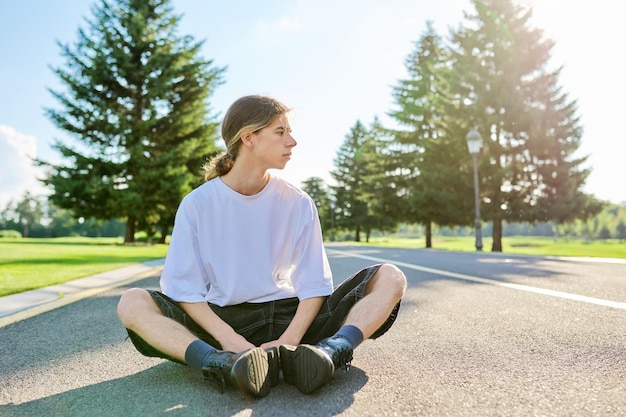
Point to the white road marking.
(520, 287)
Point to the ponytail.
(218, 166)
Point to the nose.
(291, 142)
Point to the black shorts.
(263, 322)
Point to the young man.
(246, 285)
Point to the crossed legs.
(139, 313)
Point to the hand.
(279, 342)
(236, 343)
(273, 343)
(205, 317)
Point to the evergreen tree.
(427, 152)
(350, 174)
(381, 184)
(318, 191)
(136, 101)
(529, 126)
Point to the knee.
(131, 304)
(393, 279)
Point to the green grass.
(27, 264)
(524, 245)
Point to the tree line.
(34, 216)
(136, 99)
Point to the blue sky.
(334, 62)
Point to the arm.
(184, 278)
(202, 314)
(305, 313)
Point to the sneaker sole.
(250, 373)
(306, 367)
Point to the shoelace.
(344, 357)
(346, 361)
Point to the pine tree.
(427, 152)
(381, 184)
(351, 174)
(136, 101)
(318, 191)
(530, 127)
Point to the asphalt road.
(478, 334)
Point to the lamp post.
(474, 143)
(332, 221)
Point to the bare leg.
(140, 313)
(382, 293)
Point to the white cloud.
(18, 172)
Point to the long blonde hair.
(247, 114)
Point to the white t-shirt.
(246, 248)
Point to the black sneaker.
(248, 371)
(274, 365)
(339, 350)
(309, 367)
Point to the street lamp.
(332, 221)
(474, 143)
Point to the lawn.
(523, 245)
(27, 264)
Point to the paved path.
(478, 334)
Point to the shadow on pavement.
(169, 389)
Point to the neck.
(246, 185)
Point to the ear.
(247, 140)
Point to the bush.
(11, 234)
